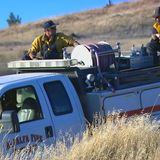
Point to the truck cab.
(38, 108)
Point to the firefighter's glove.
(156, 37)
(76, 42)
(32, 55)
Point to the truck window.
(23, 100)
(58, 98)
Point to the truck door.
(65, 108)
(150, 98)
(34, 120)
(128, 103)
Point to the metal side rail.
(130, 78)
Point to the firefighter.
(154, 45)
(50, 44)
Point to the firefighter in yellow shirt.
(50, 44)
(154, 45)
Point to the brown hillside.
(131, 20)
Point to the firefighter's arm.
(32, 55)
(76, 42)
(35, 48)
(70, 41)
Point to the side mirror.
(9, 122)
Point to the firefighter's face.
(50, 31)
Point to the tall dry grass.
(123, 139)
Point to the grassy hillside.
(129, 23)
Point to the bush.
(13, 20)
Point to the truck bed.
(118, 79)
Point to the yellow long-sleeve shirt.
(55, 44)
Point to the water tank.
(95, 54)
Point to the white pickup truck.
(48, 99)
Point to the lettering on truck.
(26, 139)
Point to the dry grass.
(134, 139)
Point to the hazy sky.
(33, 10)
